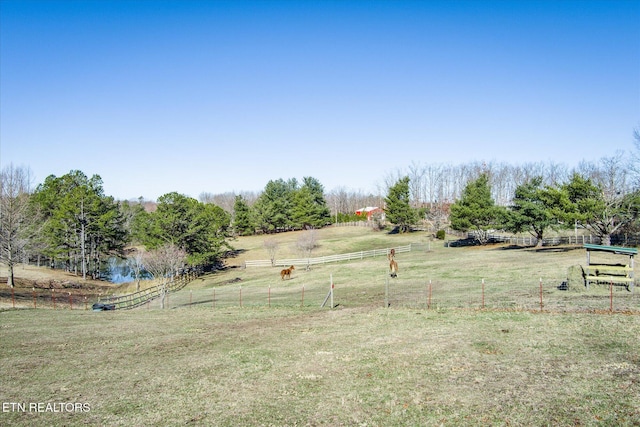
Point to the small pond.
(118, 270)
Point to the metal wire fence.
(536, 295)
(532, 295)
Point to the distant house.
(369, 211)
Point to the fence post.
(331, 279)
(541, 294)
(386, 292)
(611, 296)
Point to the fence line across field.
(334, 258)
(537, 294)
(620, 240)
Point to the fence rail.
(533, 295)
(354, 224)
(139, 298)
(331, 258)
(547, 241)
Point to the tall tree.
(476, 210)
(81, 224)
(243, 222)
(310, 206)
(200, 229)
(635, 157)
(530, 211)
(16, 223)
(274, 206)
(602, 213)
(398, 208)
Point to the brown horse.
(393, 267)
(287, 272)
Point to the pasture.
(357, 364)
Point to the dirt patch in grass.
(47, 284)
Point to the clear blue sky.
(213, 96)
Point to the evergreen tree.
(398, 209)
(531, 210)
(200, 229)
(582, 201)
(81, 224)
(310, 206)
(274, 206)
(476, 210)
(243, 219)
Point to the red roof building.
(369, 211)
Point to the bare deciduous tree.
(306, 243)
(15, 221)
(163, 263)
(271, 245)
(342, 201)
(136, 263)
(635, 157)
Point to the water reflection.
(118, 270)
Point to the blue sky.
(213, 96)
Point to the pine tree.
(274, 206)
(310, 206)
(530, 210)
(476, 210)
(398, 210)
(243, 220)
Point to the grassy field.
(360, 364)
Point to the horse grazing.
(393, 267)
(287, 272)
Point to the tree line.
(535, 208)
(69, 221)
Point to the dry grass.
(359, 364)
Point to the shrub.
(440, 235)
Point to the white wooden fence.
(330, 258)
